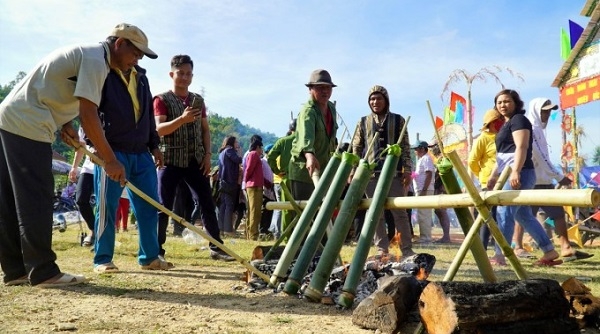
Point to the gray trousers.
(401, 220)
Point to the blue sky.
(252, 58)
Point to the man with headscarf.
(538, 114)
(389, 126)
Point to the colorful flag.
(458, 105)
(565, 44)
(575, 31)
(448, 116)
(438, 122)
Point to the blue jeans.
(275, 227)
(141, 173)
(506, 216)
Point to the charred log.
(461, 307)
(389, 306)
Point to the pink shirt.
(253, 174)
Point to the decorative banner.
(458, 104)
(438, 122)
(581, 92)
(567, 152)
(567, 124)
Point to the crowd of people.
(161, 144)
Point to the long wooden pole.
(558, 197)
(174, 216)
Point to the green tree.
(5, 89)
(596, 157)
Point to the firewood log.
(461, 307)
(387, 307)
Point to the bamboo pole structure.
(171, 214)
(295, 240)
(340, 229)
(320, 224)
(484, 216)
(465, 218)
(483, 210)
(388, 171)
(558, 197)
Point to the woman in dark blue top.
(513, 148)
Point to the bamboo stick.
(175, 217)
(295, 240)
(473, 233)
(289, 227)
(465, 218)
(340, 229)
(558, 197)
(323, 219)
(500, 240)
(372, 217)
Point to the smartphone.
(195, 103)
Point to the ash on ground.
(418, 265)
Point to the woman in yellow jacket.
(482, 157)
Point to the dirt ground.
(198, 296)
(187, 299)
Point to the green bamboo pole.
(482, 208)
(295, 240)
(382, 189)
(465, 219)
(341, 227)
(388, 171)
(175, 217)
(317, 231)
(474, 231)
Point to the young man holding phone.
(181, 123)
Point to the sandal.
(498, 262)
(158, 264)
(18, 281)
(547, 263)
(576, 256)
(64, 280)
(523, 254)
(88, 241)
(106, 268)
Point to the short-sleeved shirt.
(48, 97)
(424, 165)
(505, 144)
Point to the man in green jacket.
(279, 159)
(315, 135)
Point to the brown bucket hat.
(320, 77)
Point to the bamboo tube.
(474, 231)
(558, 197)
(315, 235)
(388, 171)
(295, 240)
(465, 218)
(479, 204)
(175, 217)
(340, 230)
